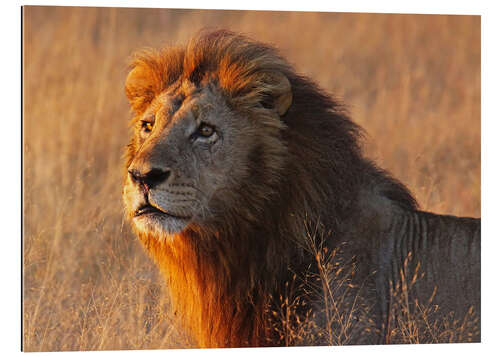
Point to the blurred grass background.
(411, 81)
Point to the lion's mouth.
(148, 209)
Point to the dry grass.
(413, 82)
(413, 321)
(342, 314)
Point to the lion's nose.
(151, 178)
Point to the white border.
(381, 6)
(10, 184)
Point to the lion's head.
(207, 135)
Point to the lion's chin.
(160, 224)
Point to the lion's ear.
(279, 91)
(139, 87)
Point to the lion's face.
(208, 147)
(191, 156)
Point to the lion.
(235, 159)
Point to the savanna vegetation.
(411, 81)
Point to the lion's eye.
(206, 130)
(147, 126)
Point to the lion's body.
(234, 200)
(413, 262)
